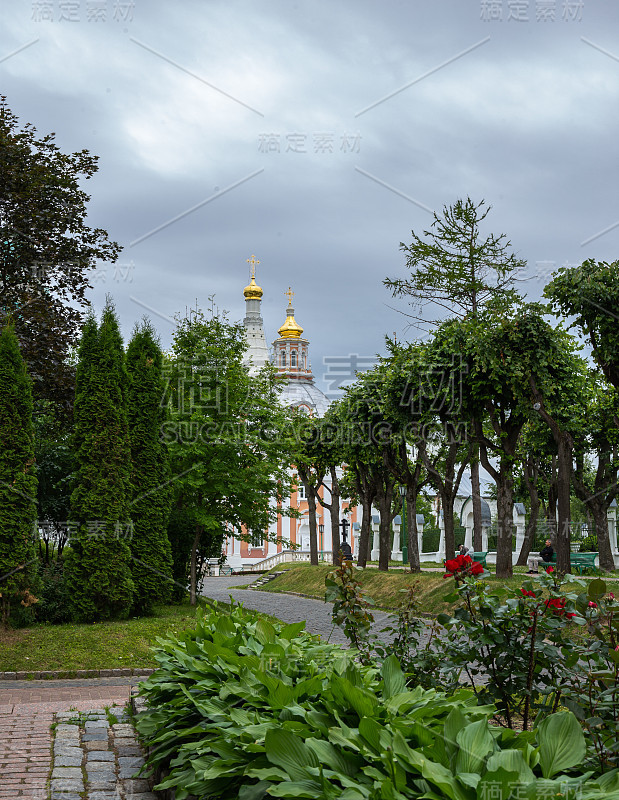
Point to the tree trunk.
(564, 482)
(505, 504)
(565, 445)
(411, 530)
(600, 519)
(310, 492)
(551, 511)
(366, 529)
(530, 529)
(447, 502)
(192, 569)
(335, 513)
(385, 498)
(597, 500)
(446, 484)
(476, 497)
(530, 479)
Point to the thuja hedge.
(242, 708)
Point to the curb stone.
(70, 674)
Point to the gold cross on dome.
(253, 261)
(290, 295)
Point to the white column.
(420, 536)
(520, 521)
(396, 552)
(376, 541)
(441, 542)
(611, 515)
(484, 538)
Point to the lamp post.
(403, 534)
(321, 528)
(345, 547)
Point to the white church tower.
(257, 354)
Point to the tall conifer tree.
(98, 572)
(151, 564)
(18, 483)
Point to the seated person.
(545, 555)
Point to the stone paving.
(286, 607)
(96, 757)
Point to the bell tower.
(257, 353)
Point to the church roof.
(304, 394)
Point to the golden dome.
(253, 291)
(290, 329)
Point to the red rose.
(452, 565)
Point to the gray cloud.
(527, 121)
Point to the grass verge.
(384, 588)
(102, 645)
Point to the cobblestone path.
(286, 607)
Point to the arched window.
(293, 358)
(282, 358)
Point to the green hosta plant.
(242, 708)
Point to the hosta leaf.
(455, 722)
(291, 631)
(306, 788)
(225, 626)
(511, 761)
(255, 792)
(370, 730)
(437, 774)
(335, 759)
(561, 742)
(362, 701)
(265, 632)
(287, 751)
(498, 785)
(393, 677)
(475, 743)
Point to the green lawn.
(103, 645)
(384, 588)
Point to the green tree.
(54, 458)
(98, 564)
(517, 365)
(458, 269)
(368, 455)
(596, 463)
(590, 293)
(319, 454)
(18, 483)
(151, 565)
(46, 250)
(228, 436)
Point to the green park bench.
(578, 561)
(479, 557)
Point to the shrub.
(54, 602)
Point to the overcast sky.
(317, 135)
